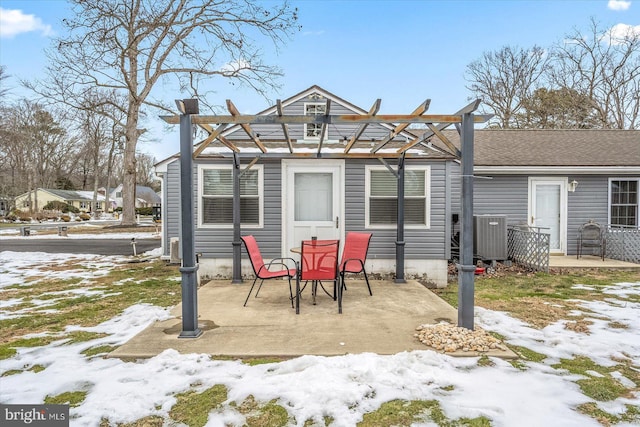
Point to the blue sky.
(400, 51)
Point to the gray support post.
(466, 269)
(237, 259)
(400, 224)
(189, 268)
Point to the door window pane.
(313, 197)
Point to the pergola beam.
(422, 108)
(245, 126)
(372, 112)
(213, 134)
(230, 145)
(285, 127)
(330, 119)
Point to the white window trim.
(622, 178)
(304, 128)
(201, 169)
(427, 186)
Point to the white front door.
(548, 209)
(313, 201)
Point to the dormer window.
(313, 130)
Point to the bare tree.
(604, 65)
(145, 169)
(130, 45)
(37, 144)
(504, 79)
(4, 90)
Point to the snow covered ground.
(311, 387)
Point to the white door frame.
(310, 165)
(562, 183)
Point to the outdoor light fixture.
(572, 186)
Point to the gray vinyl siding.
(216, 243)
(502, 195)
(509, 195)
(171, 221)
(589, 201)
(419, 243)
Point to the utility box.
(174, 251)
(490, 237)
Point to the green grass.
(101, 349)
(153, 284)
(406, 413)
(193, 408)
(604, 388)
(72, 398)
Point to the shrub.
(56, 205)
(144, 211)
(65, 218)
(85, 216)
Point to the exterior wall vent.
(490, 237)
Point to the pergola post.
(189, 268)
(466, 269)
(400, 224)
(237, 260)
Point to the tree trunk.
(129, 179)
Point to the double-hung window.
(215, 193)
(313, 130)
(381, 201)
(624, 202)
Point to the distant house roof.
(552, 147)
(71, 195)
(147, 194)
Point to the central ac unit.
(490, 237)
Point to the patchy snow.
(311, 387)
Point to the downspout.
(400, 224)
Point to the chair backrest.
(356, 246)
(319, 260)
(253, 251)
(591, 231)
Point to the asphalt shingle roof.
(546, 147)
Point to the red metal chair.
(318, 262)
(354, 255)
(262, 270)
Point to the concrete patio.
(268, 327)
(588, 261)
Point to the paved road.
(86, 246)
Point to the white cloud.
(620, 32)
(235, 67)
(618, 4)
(14, 22)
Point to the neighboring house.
(145, 197)
(80, 199)
(5, 206)
(287, 197)
(556, 179)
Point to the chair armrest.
(281, 261)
